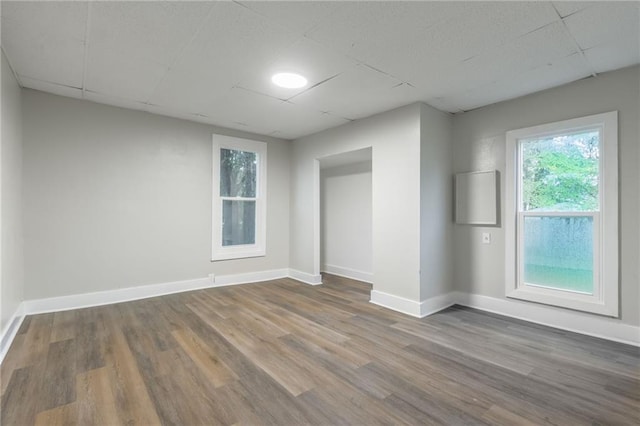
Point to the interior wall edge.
(11, 330)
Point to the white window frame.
(604, 300)
(218, 251)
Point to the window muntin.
(239, 198)
(561, 220)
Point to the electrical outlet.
(486, 238)
(212, 278)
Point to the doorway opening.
(345, 215)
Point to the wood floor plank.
(205, 358)
(64, 325)
(59, 381)
(63, 415)
(284, 353)
(96, 403)
(127, 385)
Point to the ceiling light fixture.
(289, 80)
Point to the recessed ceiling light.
(289, 80)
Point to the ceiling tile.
(212, 61)
(48, 56)
(236, 35)
(566, 8)
(483, 26)
(45, 86)
(612, 56)
(358, 92)
(305, 57)
(364, 27)
(386, 35)
(193, 90)
(515, 57)
(559, 72)
(111, 73)
(418, 41)
(605, 23)
(35, 19)
(234, 43)
(175, 113)
(298, 16)
(151, 31)
(113, 101)
(256, 113)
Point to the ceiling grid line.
(575, 42)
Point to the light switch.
(486, 238)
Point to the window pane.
(238, 173)
(560, 173)
(238, 222)
(558, 252)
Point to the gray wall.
(11, 243)
(346, 230)
(436, 200)
(479, 144)
(115, 198)
(395, 140)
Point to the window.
(239, 198)
(562, 214)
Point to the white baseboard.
(250, 277)
(396, 303)
(412, 307)
(86, 300)
(354, 274)
(577, 322)
(436, 304)
(305, 277)
(10, 331)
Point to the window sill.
(238, 254)
(577, 302)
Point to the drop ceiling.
(212, 62)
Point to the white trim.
(305, 277)
(258, 249)
(395, 303)
(354, 274)
(250, 277)
(576, 322)
(99, 298)
(316, 217)
(411, 307)
(10, 331)
(604, 300)
(436, 304)
(86, 300)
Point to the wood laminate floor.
(290, 354)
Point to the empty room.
(320, 213)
